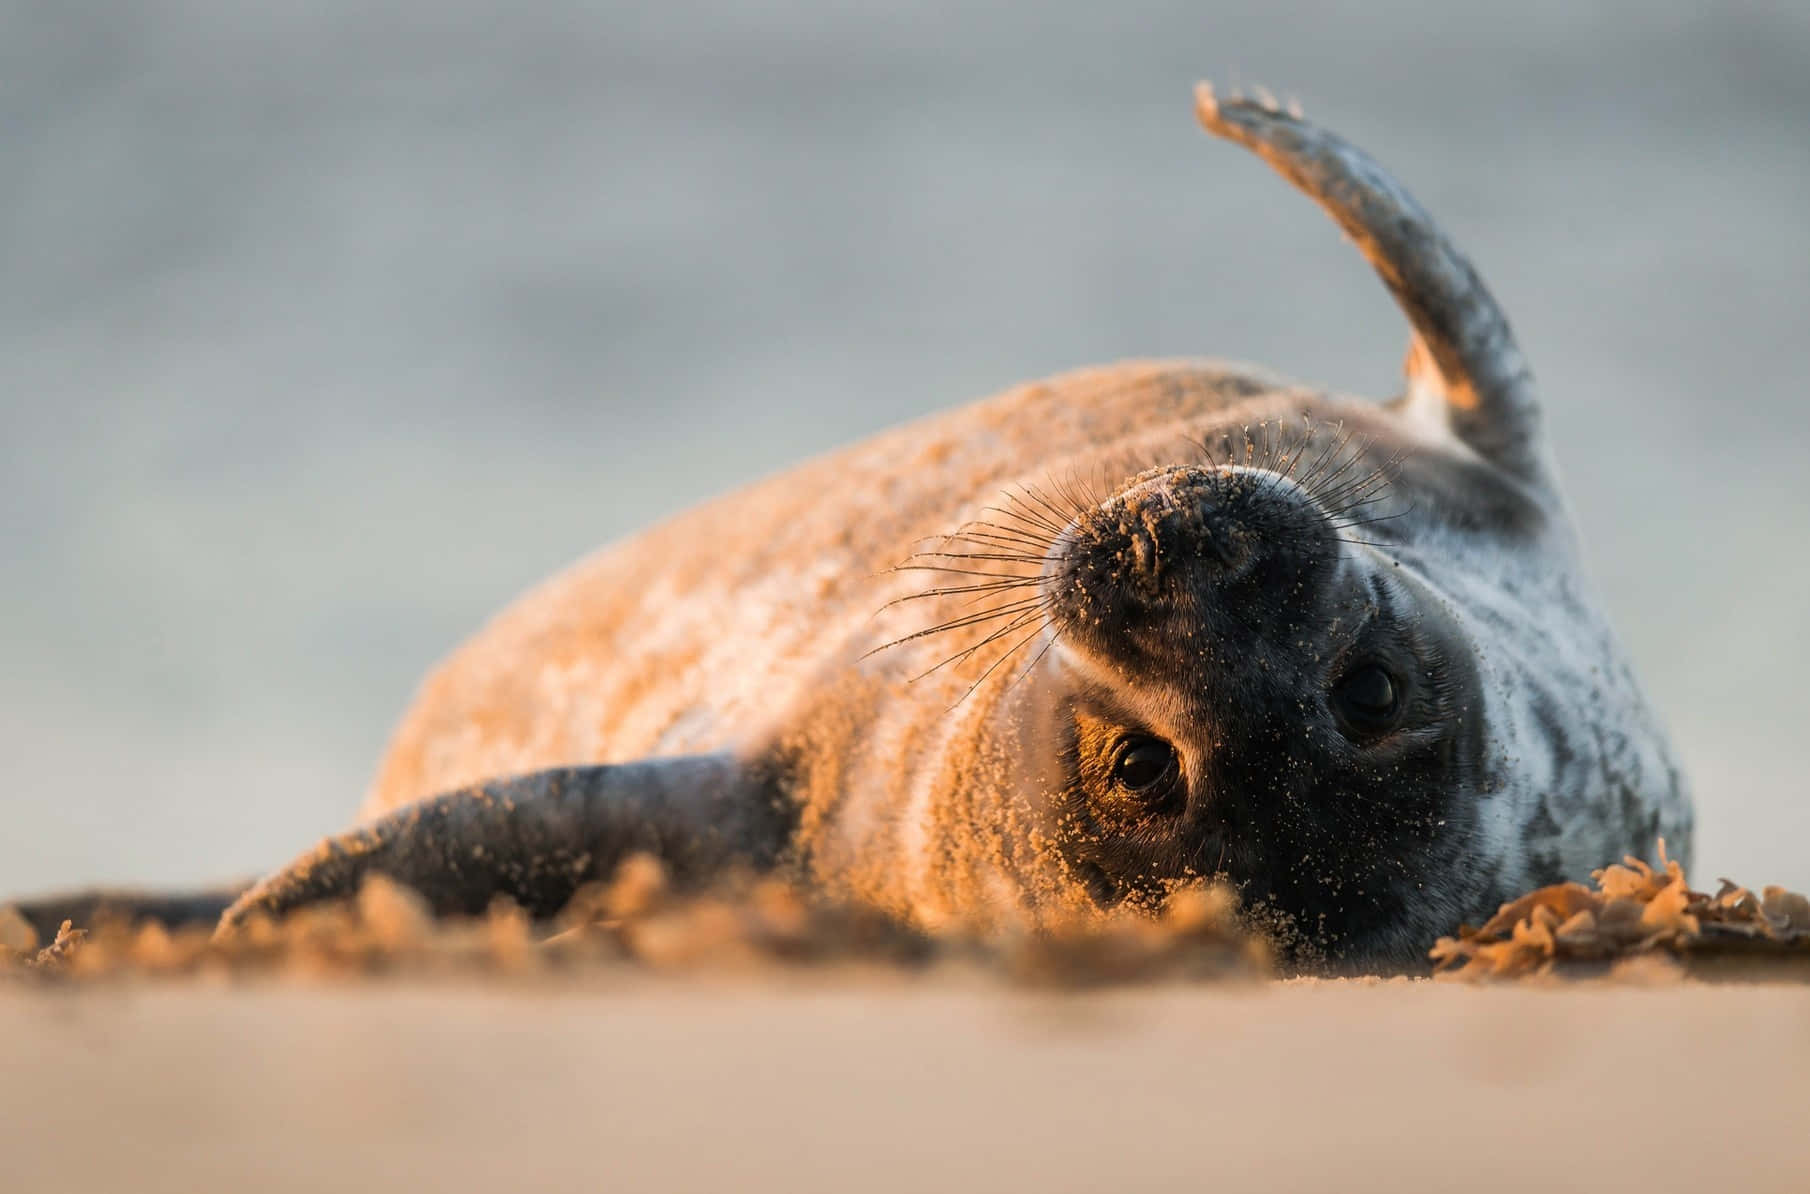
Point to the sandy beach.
(657, 1084)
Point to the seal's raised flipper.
(1463, 363)
(537, 838)
(85, 909)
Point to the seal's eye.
(1145, 766)
(1368, 699)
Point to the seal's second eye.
(1368, 699)
(1144, 766)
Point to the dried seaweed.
(1635, 911)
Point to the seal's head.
(1236, 688)
(1376, 725)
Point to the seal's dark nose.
(1179, 517)
(1201, 552)
(1184, 533)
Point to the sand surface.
(656, 1084)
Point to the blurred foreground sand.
(903, 1085)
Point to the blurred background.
(327, 327)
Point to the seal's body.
(1066, 647)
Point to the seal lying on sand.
(1076, 643)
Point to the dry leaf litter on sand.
(1635, 912)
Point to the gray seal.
(1065, 648)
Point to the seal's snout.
(1186, 541)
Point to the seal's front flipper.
(85, 909)
(537, 838)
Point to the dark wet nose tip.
(1192, 513)
(1212, 525)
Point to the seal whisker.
(992, 530)
(1340, 436)
(1364, 522)
(984, 528)
(989, 551)
(989, 524)
(1362, 509)
(1383, 545)
(950, 570)
(1035, 659)
(1016, 624)
(1331, 480)
(958, 590)
(1009, 609)
(1357, 487)
(1294, 461)
(1023, 521)
(1035, 509)
(1343, 435)
(981, 557)
(964, 621)
(973, 595)
(1200, 444)
(1273, 446)
(971, 602)
(1060, 517)
(1353, 515)
(1032, 526)
(1349, 508)
(1002, 549)
(1376, 481)
(1261, 455)
(1092, 486)
(994, 666)
(1379, 477)
(1071, 491)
